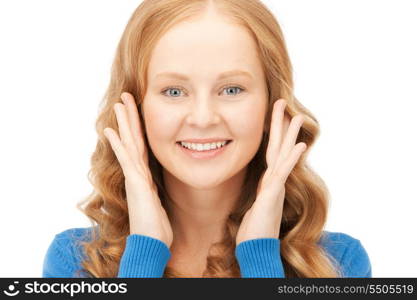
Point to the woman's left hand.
(263, 219)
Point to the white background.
(355, 69)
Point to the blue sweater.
(145, 256)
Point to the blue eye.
(177, 90)
(172, 88)
(235, 87)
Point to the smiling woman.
(200, 170)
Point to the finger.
(286, 123)
(125, 132)
(134, 122)
(291, 136)
(275, 132)
(118, 149)
(288, 165)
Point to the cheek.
(248, 122)
(160, 123)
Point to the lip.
(202, 141)
(206, 154)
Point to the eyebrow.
(221, 76)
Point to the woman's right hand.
(146, 213)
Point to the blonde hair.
(306, 200)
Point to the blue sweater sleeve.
(260, 258)
(143, 256)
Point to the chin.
(204, 181)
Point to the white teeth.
(203, 147)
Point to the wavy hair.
(306, 199)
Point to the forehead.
(206, 47)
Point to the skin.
(203, 192)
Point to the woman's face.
(203, 104)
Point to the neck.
(198, 216)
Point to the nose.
(203, 112)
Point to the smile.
(204, 151)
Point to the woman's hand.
(146, 214)
(263, 219)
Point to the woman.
(200, 170)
